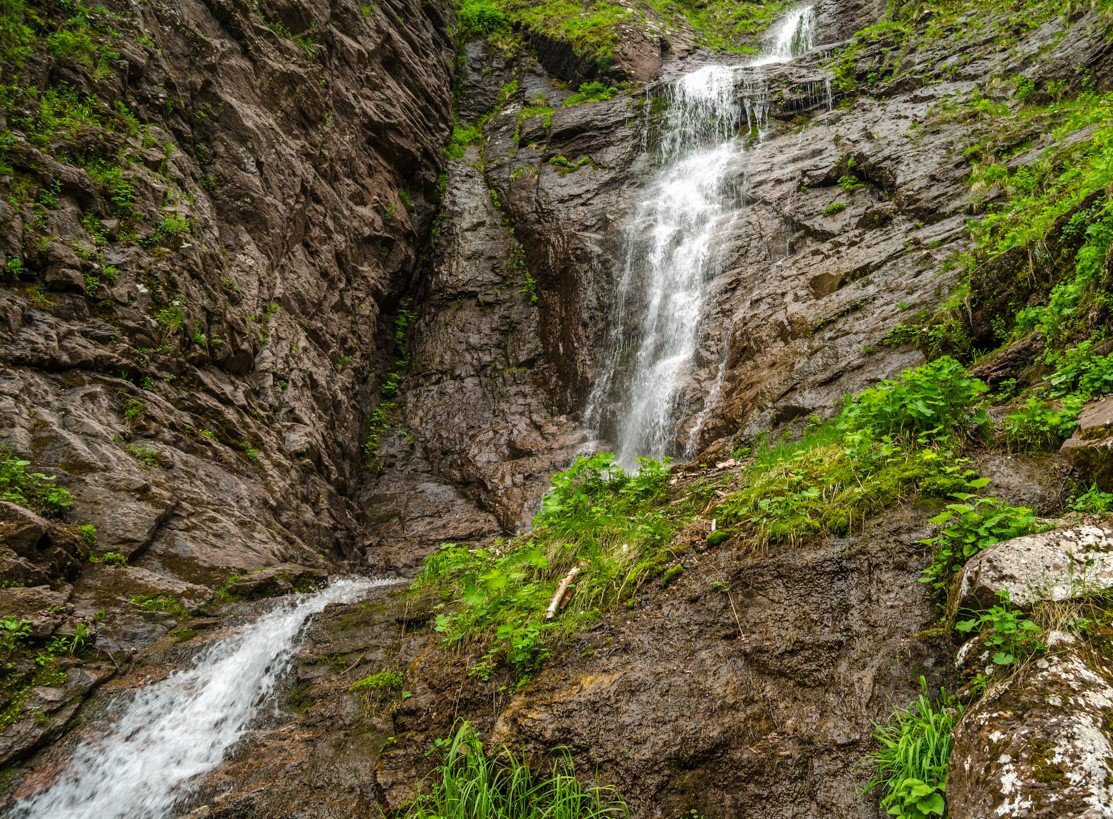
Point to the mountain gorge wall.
(210, 215)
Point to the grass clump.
(470, 784)
(614, 525)
(382, 681)
(33, 490)
(911, 760)
(892, 442)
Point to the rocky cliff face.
(210, 214)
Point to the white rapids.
(174, 730)
(670, 243)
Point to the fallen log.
(561, 590)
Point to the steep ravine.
(328, 344)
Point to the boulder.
(1060, 565)
(35, 546)
(275, 580)
(1090, 449)
(1040, 744)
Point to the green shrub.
(469, 784)
(591, 91)
(88, 533)
(31, 489)
(1006, 633)
(930, 402)
(834, 207)
(462, 137)
(914, 748)
(1039, 425)
(968, 527)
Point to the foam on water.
(172, 731)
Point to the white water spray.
(177, 729)
(669, 247)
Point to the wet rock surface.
(1041, 744)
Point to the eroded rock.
(1039, 744)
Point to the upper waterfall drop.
(179, 728)
(669, 250)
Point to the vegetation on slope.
(470, 784)
(594, 29)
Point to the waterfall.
(669, 247)
(174, 730)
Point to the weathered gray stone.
(1039, 745)
(1054, 566)
(1090, 449)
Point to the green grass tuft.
(470, 784)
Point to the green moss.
(382, 681)
(462, 137)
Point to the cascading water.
(669, 248)
(174, 730)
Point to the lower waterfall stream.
(669, 256)
(174, 730)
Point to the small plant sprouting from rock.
(968, 526)
(34, 490)
(1006, 633)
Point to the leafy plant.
(1039, 425)
(914, 748)
(1094, 501)
(470, 784)
(31, 489)
(1006, 632)
(933, 401)
(969, 526)
(12, 632)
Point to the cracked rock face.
(1040, 744)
